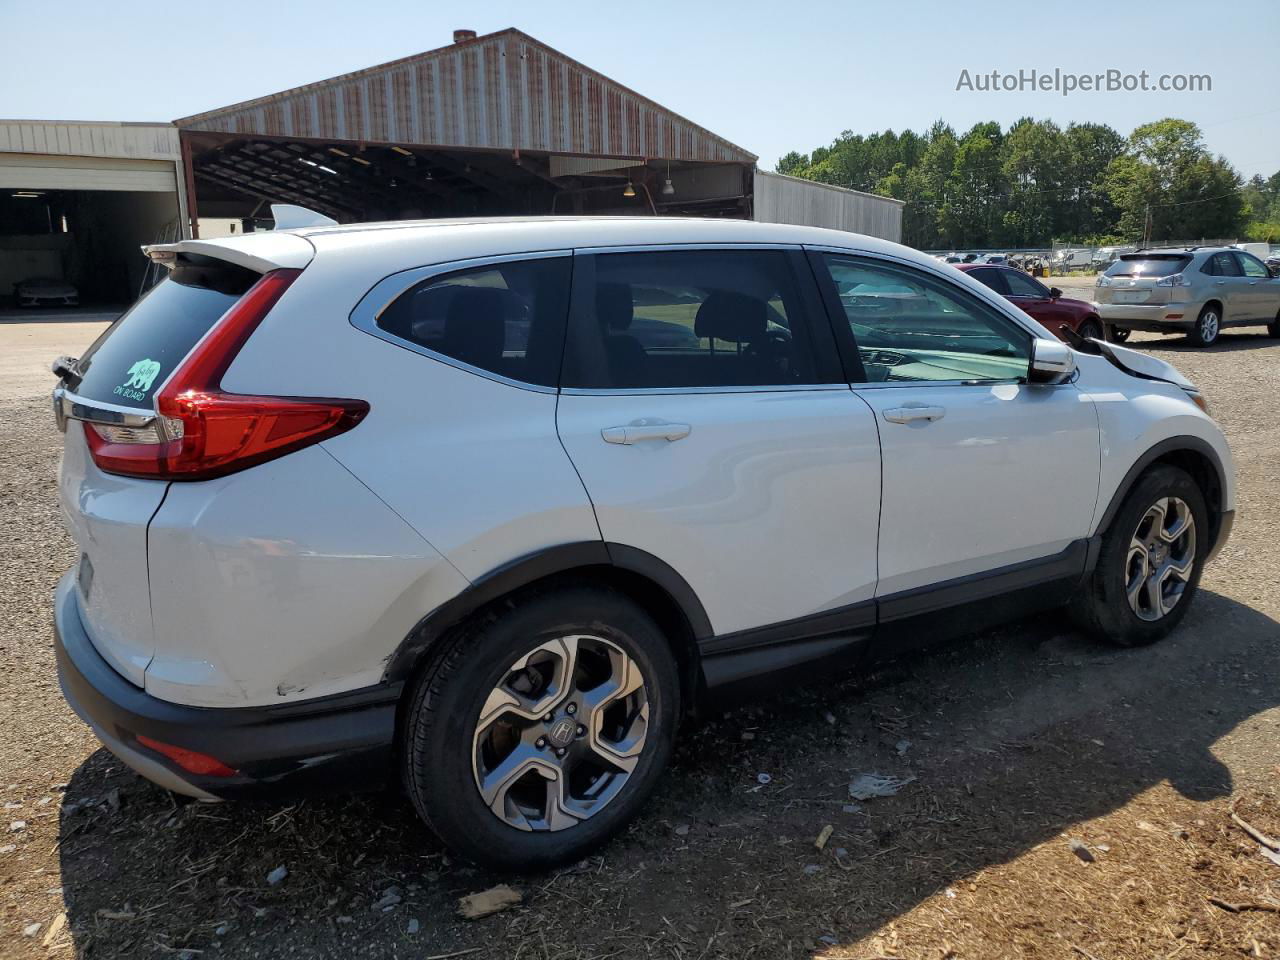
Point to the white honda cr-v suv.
(488, 507)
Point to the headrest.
(729, 315)
(475, 326)
(614, 307)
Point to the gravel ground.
(1021, 742)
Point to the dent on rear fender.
(285, 582)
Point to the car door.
(1037, 300)
(703, 405)
(983, 474)
(1260, 292)
(1229, 286)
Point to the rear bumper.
(331, 743)
(1155, 317)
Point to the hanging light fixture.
(668, 189)
(628, 190)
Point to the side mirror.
(1055, 292)
(1051, 362)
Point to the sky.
(771, 77)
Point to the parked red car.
(1046, 304)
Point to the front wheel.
(1091, 329)
(1208, 326)
(540, 731)
(1149, 565)
(1273, 328)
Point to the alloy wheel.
(1162, 554)
(560, 735)
(1208, 326)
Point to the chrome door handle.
(639, 430)
(911, 414)
(1219, 283)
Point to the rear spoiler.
(259, 252)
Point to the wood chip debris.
(824, 836)
(494, 900)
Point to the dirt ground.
(1017, 744)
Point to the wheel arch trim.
(1220, 523)
(565, 558)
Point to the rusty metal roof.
(504, 90)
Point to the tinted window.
(1149, 265)
(1020, 285)
(992, 279)
(1253, 267)
(1221, 265)
(706, 318)
(507, 318)
(911, 327)
(137, 353)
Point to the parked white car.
(488, 507)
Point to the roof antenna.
(290, 216)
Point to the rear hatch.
(114, 382)
(1135, 279)
(106, 403)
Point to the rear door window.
(1020, 285)
(137, 353)
(1222, 265)
(505, 318)
(992, 278)
(693, 318)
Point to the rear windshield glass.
(136, 354)
(1149, 265)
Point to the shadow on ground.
(1012, 737)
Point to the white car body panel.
(472, 464)
(283, 583)
(107, 517)
(1134, 415)
(1008, 474)
(762, 478)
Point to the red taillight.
(191, 761)
(213, 433)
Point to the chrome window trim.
(683, 247)
(685, 391)
(381, 295)
(69, 406)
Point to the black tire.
(1092, 328)
(1273, 328)
(1118, 334)
(1102, 606)
(441, 721)
(1208, 326)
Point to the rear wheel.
(1118, 334)
(1150, 561)
(540, 731)
(1091, 329)
(1208, 326)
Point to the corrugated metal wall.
(137, 141)
(782, 199)
(501, 91)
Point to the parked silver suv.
(1196, 291)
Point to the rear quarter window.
(134, 356)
